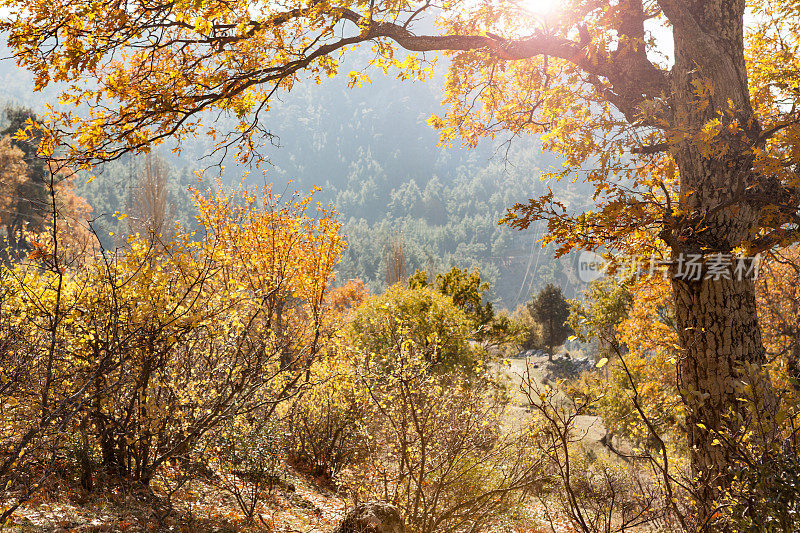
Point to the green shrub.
(421, 319)
(249, 460)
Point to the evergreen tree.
(25, 180)
(551, 310)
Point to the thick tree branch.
(632, 75)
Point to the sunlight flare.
(540, 8)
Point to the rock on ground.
(372, 517)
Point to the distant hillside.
(376, 159)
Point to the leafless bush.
(596, 494)
(438, 451)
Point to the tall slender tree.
(13, 177)
(25, 180)
(149, 209)
(396, 269)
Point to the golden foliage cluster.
(136, 355)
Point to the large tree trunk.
(720, 334)
(717, 322)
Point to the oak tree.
(698, 151)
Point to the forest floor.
(199, 507)
(299, 504)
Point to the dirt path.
(590, 428)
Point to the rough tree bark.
(717, 320)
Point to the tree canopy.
(586, 78)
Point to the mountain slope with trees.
(381, 168)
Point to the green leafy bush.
(422, 320)
(249, 460)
